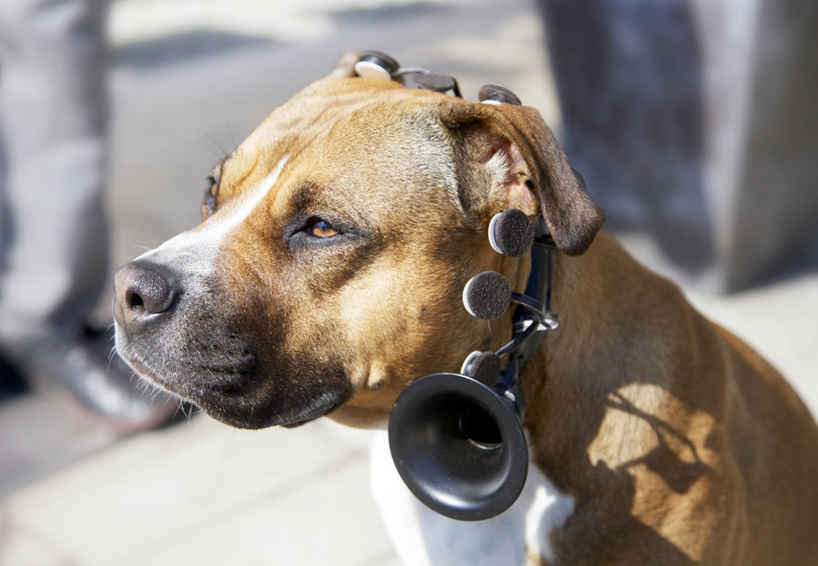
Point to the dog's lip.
(216, 398)
(143, 369)
(147, 372)
(187, 389)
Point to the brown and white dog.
(327, 274)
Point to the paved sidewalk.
(203, 494)
(200, 493)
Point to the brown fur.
(703, 452)
(679, 444)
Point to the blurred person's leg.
(52, 129)
(53, 233)
(694, 121)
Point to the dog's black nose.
(141, 290)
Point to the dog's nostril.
(133, 300)
(143, 289)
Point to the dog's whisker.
(179, 404)
(221, 154)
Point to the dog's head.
(336, 241)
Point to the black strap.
(539, 286)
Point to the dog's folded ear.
(526, 164)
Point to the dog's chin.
(249, 414)
(245, 403)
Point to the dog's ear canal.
(515, 144)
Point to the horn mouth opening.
(458, 446)
(480, 429)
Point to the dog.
(326, 277)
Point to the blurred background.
(688, 119)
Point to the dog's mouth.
(146, 372)
(241, 395)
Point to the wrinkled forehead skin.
(341, 130)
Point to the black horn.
(457, 443)
(459, 446)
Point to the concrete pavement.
(201, 493)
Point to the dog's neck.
(563, 383)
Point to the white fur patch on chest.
(424, 538)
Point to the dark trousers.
(53, 106)
(696, 122)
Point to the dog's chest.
(424, 538)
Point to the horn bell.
(459, 446)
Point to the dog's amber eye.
(321, 229)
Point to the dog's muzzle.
(181, 333)
(181, 345)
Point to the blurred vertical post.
(695, 121)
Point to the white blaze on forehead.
(196, 250)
